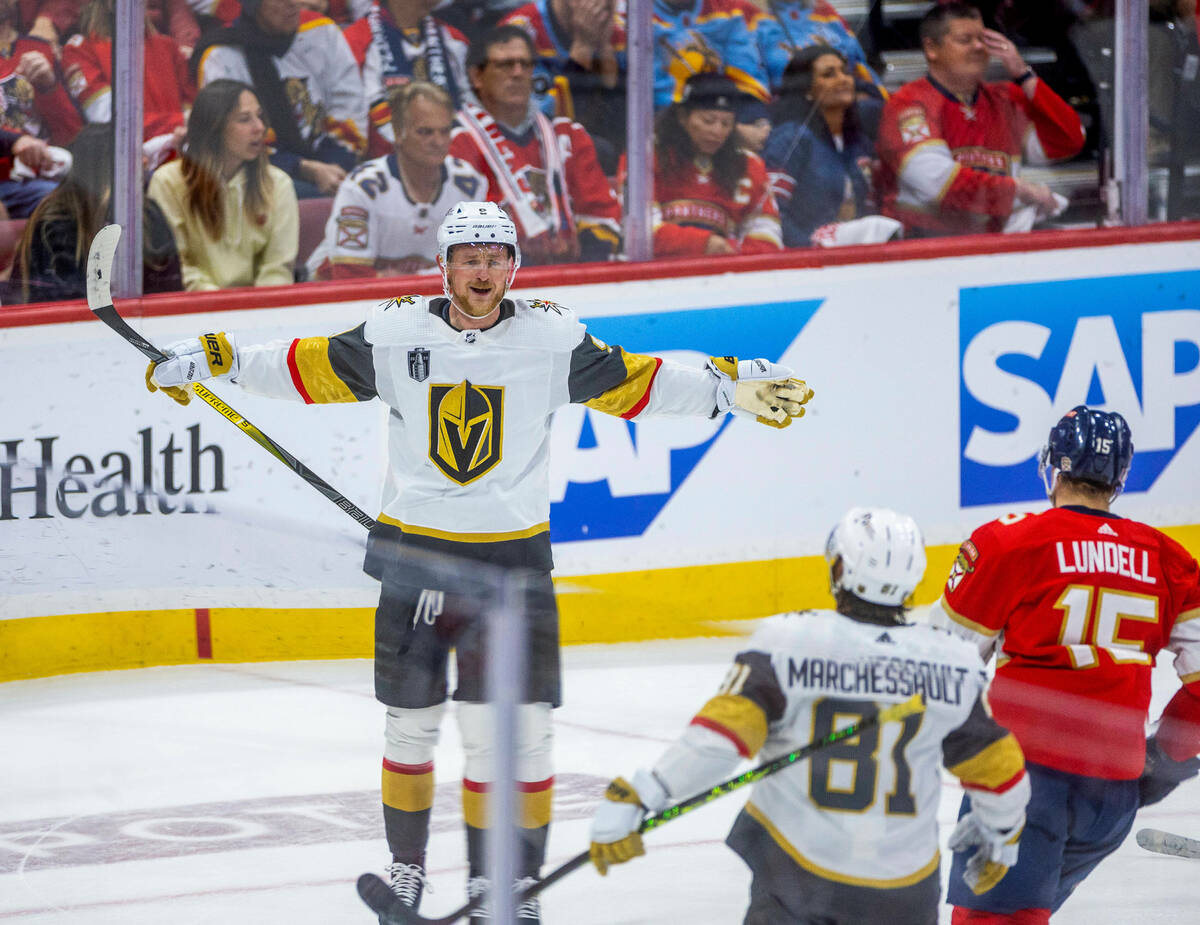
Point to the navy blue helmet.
(1096, 446)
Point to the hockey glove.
(995, 850)
(1162, 773)
(615, 835)
(759, 389)
(191, 361)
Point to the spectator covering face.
(960, 54)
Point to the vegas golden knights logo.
(465, 429)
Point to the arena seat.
(313, 215)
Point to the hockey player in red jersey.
(851, 836)
(1076, 603)
(951, 146)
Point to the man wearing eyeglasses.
(471, 381)
(542, 171)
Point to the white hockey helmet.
(882, 554)
(477, 223)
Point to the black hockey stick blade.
(381, 900)
(895, 713)
(99, 296)
(1168, 843)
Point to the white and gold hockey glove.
(193, 360)
(759, 389)
(996, 850)
(615, 835)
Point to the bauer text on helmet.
(882, 555)
(477, 223)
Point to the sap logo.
(1030, 352)
(611, 478)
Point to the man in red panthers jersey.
(951, 145)
(1077, 603)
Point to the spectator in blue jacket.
(820, 152)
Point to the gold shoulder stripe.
(628, 398)
(1193, 614)
(738, 718)
(993, 767)
(312, 374)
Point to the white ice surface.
(249, 794)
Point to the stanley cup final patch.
(418, 364)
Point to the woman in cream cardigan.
(234, 216)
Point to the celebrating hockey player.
(852, 835)
(472, 380)
(1077, 602)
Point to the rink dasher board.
(936, 381)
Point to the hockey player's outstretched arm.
(986, 758)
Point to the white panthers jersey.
(864, 810)
(376, 228)
(468, 433)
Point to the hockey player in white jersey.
(471, 380)
(851, 836)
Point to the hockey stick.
(1168, 843)
(379, 896)
(99, 296)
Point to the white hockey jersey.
(375, 227)
(468, 435)
(864, 810)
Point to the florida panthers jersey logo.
(465, 429)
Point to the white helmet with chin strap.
(476, 223)
(882, 554)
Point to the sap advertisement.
(936, 382)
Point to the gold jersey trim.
(812, 867)
(466, 537)
(993, 767)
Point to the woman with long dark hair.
(821, 150)
(51, 258)
(234, 216)
(710, 196)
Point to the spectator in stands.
(543, 173)
(35, 106)
(699, 36)
(385, 218)
(398, 41)
(580, 70)
(821, 151)
(56, 20)
(233, 213)
(167, 87)
(308, 82)
(950, 145)
(51, 258)
(710, 196)
(798, 24)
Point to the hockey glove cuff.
(194, 361)
(995, 851)
(1162, 773)
(759, 389)
(615, 835)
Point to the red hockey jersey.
(49, 115)
(948, 166)
(582, 220)
(689, 206)
(168, 88)
(1078, 604)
